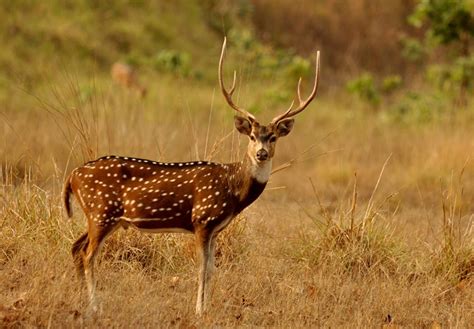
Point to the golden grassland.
(371, 225)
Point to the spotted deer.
(197, 197)
(126, 76)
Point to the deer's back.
(144, 191)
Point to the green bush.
(449, 23)
(462, 72)
(391, 83)
(173, 61)
(412, 49)
(449, 20)
(243, 39)
(452, 77)
(298, 67)
(417, 108)
(364, 87)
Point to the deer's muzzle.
(262, 155)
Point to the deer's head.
(263, 138)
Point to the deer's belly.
(160, 225)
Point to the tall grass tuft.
(453, 260)
(350, 241)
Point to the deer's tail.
(67, 191)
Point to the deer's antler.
(303, 103)
(228, 94)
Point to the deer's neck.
(259, 172)
(250, 171)
(248, 181)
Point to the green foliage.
(268, 65)
(448, 19)
(417, 108)
(55, 36)
(298, 67)
(449, 23)
(173, 61)
(453, 76)
(412, 49)
(243, 39)
(391, 83)
(462, 72)
(277, 95)
(364, 87)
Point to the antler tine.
(303, 104)
(228, 94)
(286, 112)
(299, 90)
(231, 91)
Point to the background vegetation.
(372, 224)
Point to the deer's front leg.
(205, 242)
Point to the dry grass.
(396, 248)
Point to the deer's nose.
(262, 155)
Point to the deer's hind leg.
(90, 244)
(78, 251)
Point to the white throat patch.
(261, 171)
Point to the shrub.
(391, 83)
(172, 61)
(449, 23)
(412, 49)
(364, 87)
(414, 107)
(449, 20)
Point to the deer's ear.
(284, 127)
(243, 125)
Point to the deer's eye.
(252, 138)
(273, 139)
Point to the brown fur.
(127, 77)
